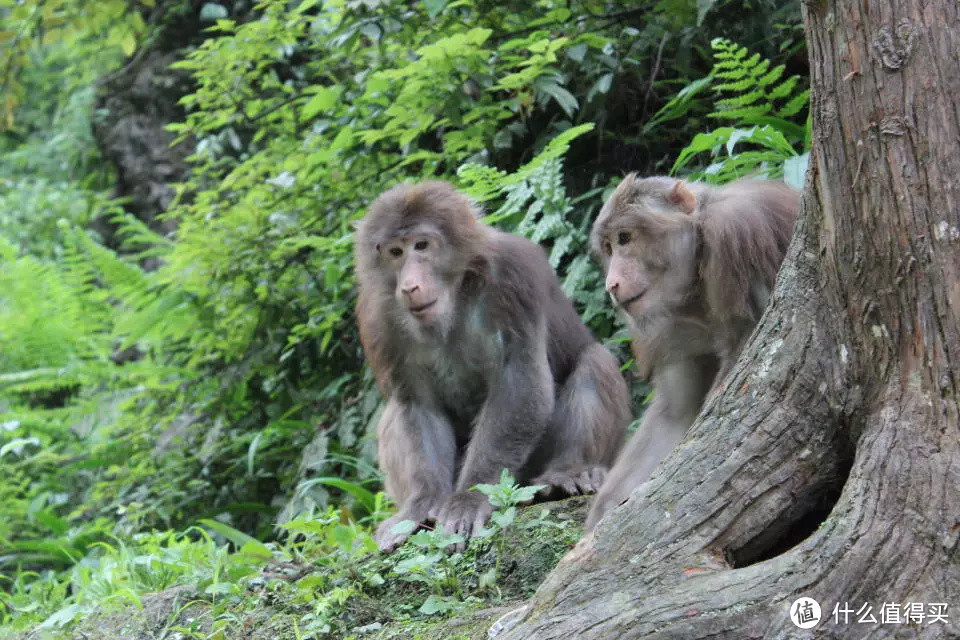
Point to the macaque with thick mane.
(483, 360)
(691, 266)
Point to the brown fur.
(498, 373)
(694, 266)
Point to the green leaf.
(62, 617)
(439, 604)
(703, 6)
(505, 518)
(128, 43)
(220, 588)
(343, 536)
(795, 170)
(434, 7)
(577, 52)
(212, 11)
(322, 101)
(563, 97)
(237, 537)
(17, 445)
(364, 497)
(403, 527)
(256, 549)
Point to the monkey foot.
(393, 531)
(464, 514)
(571, 482)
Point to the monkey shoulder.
(521, 277)
(532, 292)
(750, 197)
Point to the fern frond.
(795, 105)
(745, 99)
(785, 88)
(745, 114)
(773, 76)
(751, 94)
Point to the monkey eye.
(623, 237)
(421, 245)
(607, 248)
(396, 252)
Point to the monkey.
(483, 361)
(691, 268)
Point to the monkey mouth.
(630, 301)
(422, 308)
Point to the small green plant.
(764, 108)
(117, 574)
(505, 496)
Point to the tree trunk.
(135, 104)
(829, 465)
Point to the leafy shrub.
(763, 105)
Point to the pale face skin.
(414, 261)
(647, 276)
(626, 282)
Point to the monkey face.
(646, 239)
(628, 281)
(415, 261)
(649, 274)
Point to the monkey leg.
(588, 426)
(417, 451)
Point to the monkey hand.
(387, 539)
(572, 482)
(389, 536)
(464, 514)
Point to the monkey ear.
(682, 197)
(476, 273)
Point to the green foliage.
(116, 574)
(764, 106)
(82, 36)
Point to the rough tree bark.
(845, 403)
(135, 104)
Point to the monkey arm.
(508, 428)
(680, 389)
(513, 417)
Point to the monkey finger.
(547, 492)
(479, 520)
(589, 480)
(461, 546)
(569, 485)
(388, 541)
(391, 543)
(598, 475)
(456, 526)
(558, 482)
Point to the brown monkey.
(691, 267)
(483, 360)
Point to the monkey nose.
(612, 287)
(407, 289)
